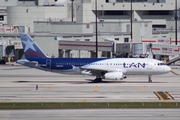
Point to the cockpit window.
(160, 64)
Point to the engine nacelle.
(114, 76)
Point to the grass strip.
(89, 105)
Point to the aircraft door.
(48, 63)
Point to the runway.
(89, 114)
(22, 84)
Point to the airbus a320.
(101, 68)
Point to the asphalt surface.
(22, 84)
(91, 114)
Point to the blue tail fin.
(31, 50)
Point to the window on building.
(21, 29)
(87, 39)
(158, 12)
(117, 39)
(1, 18)
(126, 39)
(159, 26)
(115, 12)
(130, 0)
(87, 25)
(26, 0)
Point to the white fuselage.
(131, 66)
(128, 66)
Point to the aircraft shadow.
(91, 81)
(87, 81)
(15, 68)
(44, 81)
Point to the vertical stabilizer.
(31, 50)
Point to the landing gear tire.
(150, 80)
(97, 80)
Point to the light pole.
(72, 10)
(131, 20)
(131, 17)
(176, 38)
(96, 29)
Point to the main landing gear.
(149, 79)
(97, 80)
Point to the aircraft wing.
(31, 64)
(96, 71)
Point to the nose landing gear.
(149, 79)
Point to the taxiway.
(22, 84)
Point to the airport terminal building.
(67, 28)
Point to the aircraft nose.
(168, 69)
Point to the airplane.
(102, 68)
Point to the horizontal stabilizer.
(27, 63)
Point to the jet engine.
(114, 76)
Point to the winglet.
(31, 50)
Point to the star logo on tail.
(28, 44)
